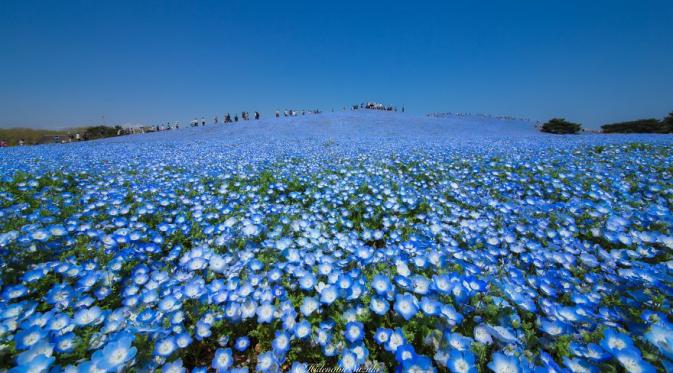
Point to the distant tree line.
(561, 126)
(99, 132)
(650, 125)
(29, 136)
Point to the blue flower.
(88, 316)
(281, 343)
(116, 353)
(614, 341)
(242, 343)
(405, 352)
(302, 329)
(298, 367)
(418, 364)
(354, 331)
(266, 362)
(503, 363)
(405, 306)
(379, 305)
(382, 335)
(348, 361)
(173, 367)
(222, 360)
(265, 313)
(329, 294)
(41, 363)
(25, 339)
(164, 347)
(461, 362)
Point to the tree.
(667, 123)
(635, 126)
(561, 126)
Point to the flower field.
(374, 240)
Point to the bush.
(99, 132)
(561, 126)
(667, 123)
(635, 126)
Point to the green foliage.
(28, 135)
(99, 132)
(561, 126)
(650, 125)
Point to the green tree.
(561, 126)
(667, 123)
(635, 126)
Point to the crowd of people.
(481, 115)
(294, 113)
(376, 106)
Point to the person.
(215, 120)
(277, 114)
(257, 115)
(403, 108)
(195, 122)
(228, 118)
(203, 121)
(235, 118)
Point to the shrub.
(99, 132)
(635, 126)
(561, 126)
(667, 123)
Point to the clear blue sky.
(67, 63)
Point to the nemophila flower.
(281, 343)
(302, 329)
(381, 284)
(329, 294)
(395, 340)
(382, 335)
(40, 363)
(115, 354)
(502, 363)
(405, 306)
(418, 364)
(457, 341)
(348, 361)
(461, 362)
(379, 305)
(502, 334)
(14, 292)
(298, 367)
(405, 352)
(165, 346)
(65, 343)
(59, 322)
(87, 316)
(361, 351)
(223, 360)
(307, 281)
(41, 348)
(26, 338)
(202, 330)
(265, 313)
(632, 361)
(266, 362)
(354, 331)
(173, 367)
(614, 341)
(242, 343)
